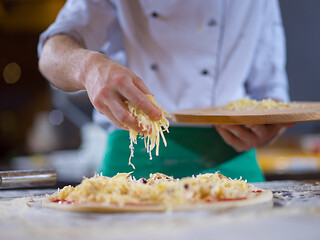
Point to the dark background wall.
(301, 21)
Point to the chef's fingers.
(250, 139)
(268, 133)
(106, 111)
(103, 108)
(243, 138)
(276, 136)
(141, 85)
(263, 131)
(238, 144)
(135, 96)
(120, 111)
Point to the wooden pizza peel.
(297, 112)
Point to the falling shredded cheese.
(154, 128)
(246, 103)
(159, 189)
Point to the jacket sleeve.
(91, 22)
(268, 77)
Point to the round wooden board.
(253, 199)
(299, 112)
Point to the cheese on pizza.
(159, 189)
(246, 103)
(154, 128)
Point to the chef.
(187, 54)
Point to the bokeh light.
(56, 117)
(11, 73)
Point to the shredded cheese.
(154, 128)
(246, 103)
(159, 189)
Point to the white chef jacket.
(189, 53)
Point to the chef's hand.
(110, 84)
(244, 138)
(69, 66)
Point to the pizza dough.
(254, 199)
(123, 193)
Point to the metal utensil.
(27, 178)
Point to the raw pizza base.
(253, 199)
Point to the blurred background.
(42, 127)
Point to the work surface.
(295, 214)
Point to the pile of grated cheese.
(247, 104)
(155, 129)
(159, 189)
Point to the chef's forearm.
(64, 62)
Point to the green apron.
(190, 151)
